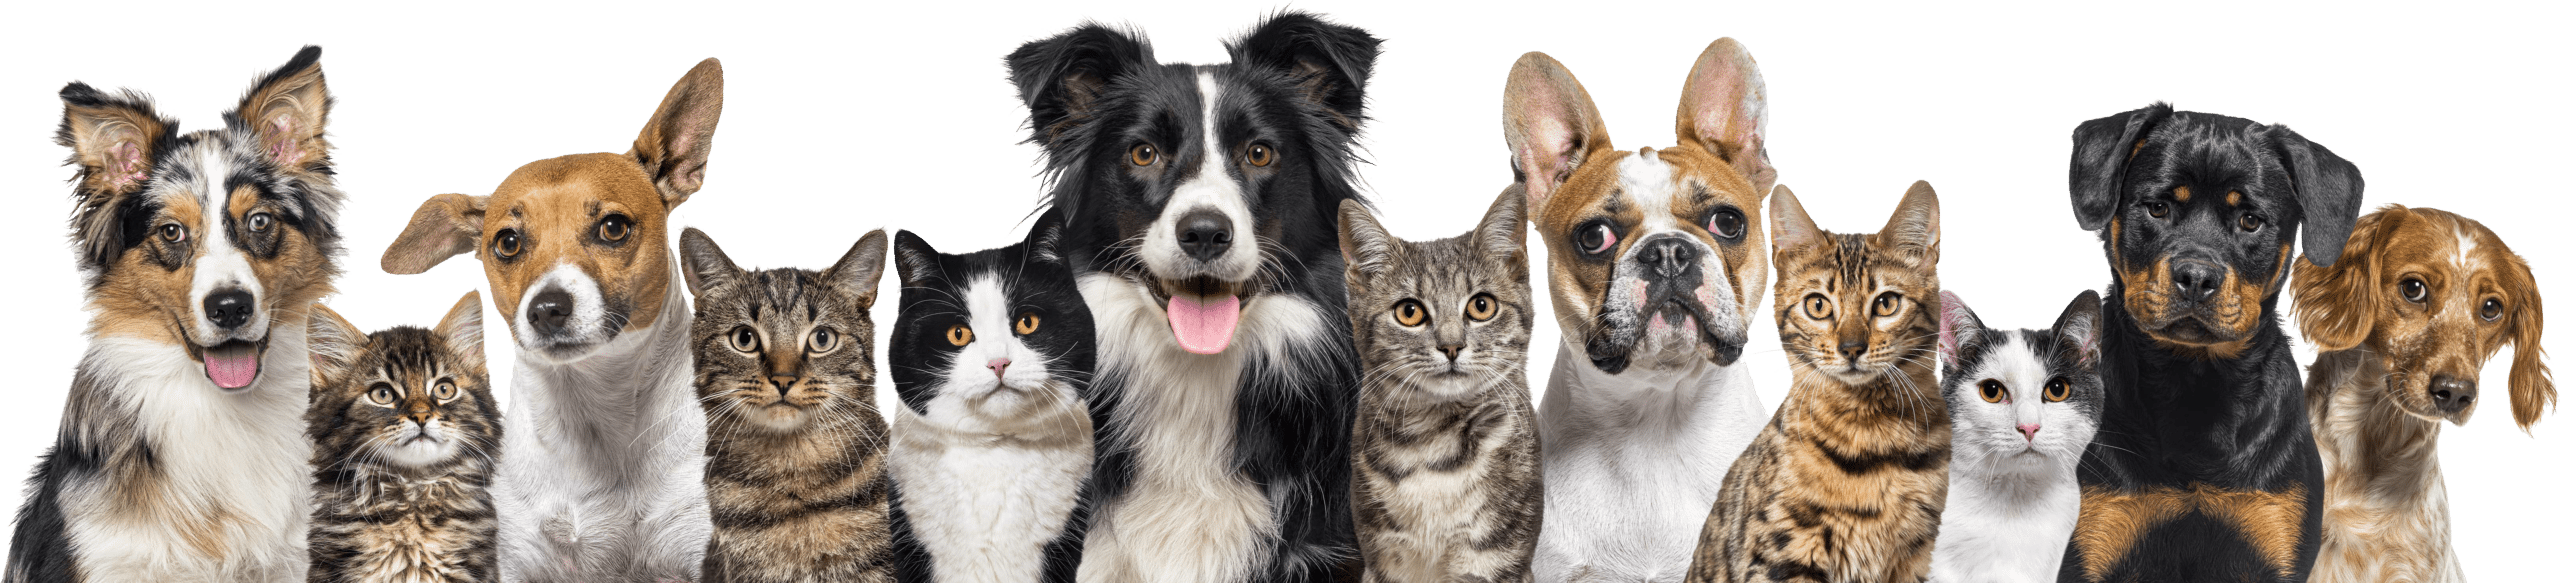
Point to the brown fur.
(2111, 523)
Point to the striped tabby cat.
(1446, 482)
(404, 439)
(782, 362)
(1847, 480)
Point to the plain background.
(845, 118)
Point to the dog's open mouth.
(231, 365)
(1203, 311)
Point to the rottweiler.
(2204, 467)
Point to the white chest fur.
(985, 506)
(1633, 462)
(2000, 528)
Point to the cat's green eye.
(382, 395)
(822, 340)
(1888, 304)
(1993, 390)
(1410, 313)
(2056, 390)
(744, 339)
(445, 391)
(959, 335)
(1482, 307)
(1817, 308)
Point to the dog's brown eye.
(1410, 313)
(507, 244)
(2492, 309)
(173, 232)
(822, 340)
(614, 228)
(959, 335)
(1481, 307)
(445, 391)
(2056, 390)
(2251, 221)
(259, 222)
(1259, 155)
(1026, 324)
(381, 395)
(744, 339)
(1726, 224)
(1595, 238)
(2413, 290)
(1817, 307)
(1992, 390)
(2156, 208)
(1888, 304)
(1143, 155)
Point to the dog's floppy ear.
(2334, 304)
(1725, 110)
(1059, 78)
(113, 139)
(460, 330)
(2100, 149)
(1500, 234)
(1789, 227)
(676, 145)
(1366, 246)
(917, 261)
(333, 344)
(2330, 190)
(289, 112)
(705, 266)
(2079, 326)
(1329, 63)
(1959, 332)
(1914, 226)
(2529, 388)
(858, 272)
(444, 226)
(1550, 124)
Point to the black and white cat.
(2025, 404)
(991, 354)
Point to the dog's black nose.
(549, 312)
(2196, 280)
(1205, 234)
(230, 308)
(2452, 395)
(1669, 258)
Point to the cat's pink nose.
(2030, 429)
(998, 364)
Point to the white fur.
(1211, 189)
(1186, 517)
(2011, 502)
(586, 313)
(1633, 463)
(603, 464)
(219, 266)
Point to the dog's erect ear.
(1959, 332)
(2100, 148)
(289, 112)
(333, 344)
(444, 226)
(1047, 241)
(113, 139)
(1789, 227)
(460, 330)
(1501, 234)
(858, 272)
(705, 267)
(1061, 77)
(2330, 190)
(917, 261)
(1725, 110)
(1366, 246)
(2334, 304)
(1550, 124)
(676, 145)
(1329, 63)
(2529, 389)
(2079, 326)
(1914, 226)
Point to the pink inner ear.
(283, 149)
(124, 162)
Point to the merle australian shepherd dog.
(1200, 203)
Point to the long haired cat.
(2025, 404)
(1445, 474)
(404, 437)
(1846, 481)
(782, 363)
(991, 352)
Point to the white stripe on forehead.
(1213, 161)
(1646, 183)
(219, 264)
(990, 315)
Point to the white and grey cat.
(2025, 404)
(1445, 472)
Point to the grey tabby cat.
(404, 439)
(795, 477)
(1445, 467)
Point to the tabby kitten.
(991, 353)
(1445, 482)
(2025, 404)
(404, 439)
(782, 363)
(1846, 481)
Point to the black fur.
(2175, 418)
(1296, 82)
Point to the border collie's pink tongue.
(231, 365)
(1203, 328)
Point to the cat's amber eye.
(744, 339)
(382, 395)
(960, 335)
(2057, 389)
(822, 340)
(1026, 323)
(1817, 308)
(445, 391)
(1143, 155)
(1482, 307)
(1992, 390)
(1888, 304)
(1410, 313)
(1258, 155)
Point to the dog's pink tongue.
(1204, 328)
(231, 366)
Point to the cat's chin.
(778, 417)
(417, 453)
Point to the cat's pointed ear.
(1048, 239)
(1960, 332)
(1366, 246)
(705, 267)
(1789, 226)
(2079, 326)
(460, 330)
(333, 344)
(1915, 222)
(1499, 235)
(858, 272)
(917, 261)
